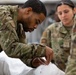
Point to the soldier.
(59, 35)
(14, 22)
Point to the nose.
(63, 14)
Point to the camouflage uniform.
(58, 38)
(12, 37)
(71, 66)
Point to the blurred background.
(34, 37)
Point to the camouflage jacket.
(71, 66)
(12, 37)
(58, 38)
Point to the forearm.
(26, 52)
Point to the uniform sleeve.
(9, 41)
(46, 37)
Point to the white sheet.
(13, 66)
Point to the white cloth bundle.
(13, 66)
(50, 69)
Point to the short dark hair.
(36, 5)
(66, 2)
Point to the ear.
(28, 10)
(75, 10)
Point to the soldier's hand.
(37, 62)
(49, 55)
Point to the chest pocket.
(65, 42)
